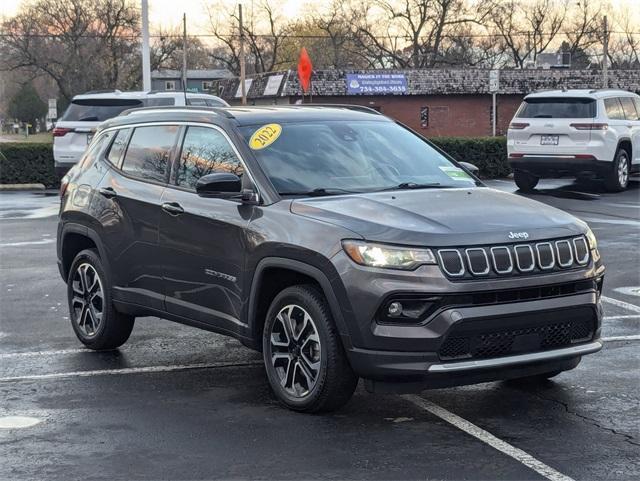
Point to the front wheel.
(305, 362)
(94, 319)
(618, 177)
(525, 181)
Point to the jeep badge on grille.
(518, 235)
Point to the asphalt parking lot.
(180, 403)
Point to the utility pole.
(184, 56)
(242, 72)
(146, 58)
(605, 56)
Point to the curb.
(15, 187)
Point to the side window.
(196, 101)
(94, 150)
(214, 103)
(637, 102)
(629, 108)
(117, 148)
(205, 151)
(149, 152)
(613, 109)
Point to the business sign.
(52, 112)
(376, 83)
(273, 85)
(494, 80)
(247, 87)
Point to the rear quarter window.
(149, 152)
(97, 110)
(557, 108)
(613, 108)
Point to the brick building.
(436, 102)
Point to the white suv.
(76, 127)
(577, 133)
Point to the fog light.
(395, 309)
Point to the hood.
(442, 217)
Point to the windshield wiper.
(320, 191)
(415, 185)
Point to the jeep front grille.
(514, 259)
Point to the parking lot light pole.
(243, 89)
(146, 58)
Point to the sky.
(168, 13)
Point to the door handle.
(108, 192)
(172, 208)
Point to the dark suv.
(336, 241)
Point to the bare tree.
(527, 28)
(80, 44)
(264, 31)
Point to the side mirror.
(221, 185)
(470, 167)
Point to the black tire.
(94, 319)
(525, 181)
(618, 177)
(335, 381)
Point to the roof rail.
(362, 108)
(194, 108)
(593, 91)
(104, 91)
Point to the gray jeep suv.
(336, 241)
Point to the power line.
(307, 36)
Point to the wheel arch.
(626, 144)
(76, 238)
(262, 293)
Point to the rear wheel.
(618, 177)
(94, 319)
(305, 362)
(525, 181)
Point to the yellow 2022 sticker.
(265, 136)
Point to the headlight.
(593, 245)
(591, 238)
(391, 257)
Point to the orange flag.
(305, 69)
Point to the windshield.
(557, 108)
(97, 110)
(346, 156)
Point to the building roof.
(439, 82)
(209, 74)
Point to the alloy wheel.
(295, 350)
(623, 170)
(87, 303)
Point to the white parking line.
(615, 318)
(625, 305)
(488, 438)
(27, 243)
(130, 370)
(43, 353)
(622, 338)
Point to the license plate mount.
(549, 139)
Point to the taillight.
(518, 125)
(590, 126)
(61, 131)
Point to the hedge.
(27, 163)
(22, 163)
(489, 154)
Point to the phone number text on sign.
(376, 83)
